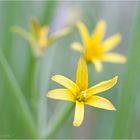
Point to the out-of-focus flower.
(40, 33)
(96, 49)
(79, 92)
(38, 36)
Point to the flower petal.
(103, 86)
(62, 80)
(61, 94)
(79, 114)
(35, 27)
(42, 37)
(82, 74)
(59, 34)
(98, 65)
(112, 42)
(100, 102)
(114, 58)
(99, 32)
(77, 47)
(84, 33)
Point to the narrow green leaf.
(26, 113)
(57, 122)
(48, 13)
(129, 89)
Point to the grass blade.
(26, 113)
(129, 88)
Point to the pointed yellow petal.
(99, 32)
(62, 80)
(42, 37)
(82, 74)
(77, 47)
(98, 65)
(112, 42)
(103, 86)
(114, 58)
(79, 114)
(100, 102)
(59, 34)
(35, 27)
(62, 32)
(61, 94)
(84, 33)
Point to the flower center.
(81, 97)
(93, 52)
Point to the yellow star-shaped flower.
(79, 92)
(38, 36)
(96, 49)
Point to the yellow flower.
(79, 92)
(38, 36)
(40, 33)
(95, 49)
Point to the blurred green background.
(25, 111)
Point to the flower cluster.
(94, 50)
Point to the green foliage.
(18, 69)
(25, 111)
(125, 121)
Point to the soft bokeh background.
(17, 67)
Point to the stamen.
(82, 96)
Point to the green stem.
(17, 93)
(33, 81)
(60, 118)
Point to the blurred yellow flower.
(95, 49)
(79, 92)
(38, 36)
(40, 33)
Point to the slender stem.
(17, 93)
(42, 104)
(60, 118)
(33, 81)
